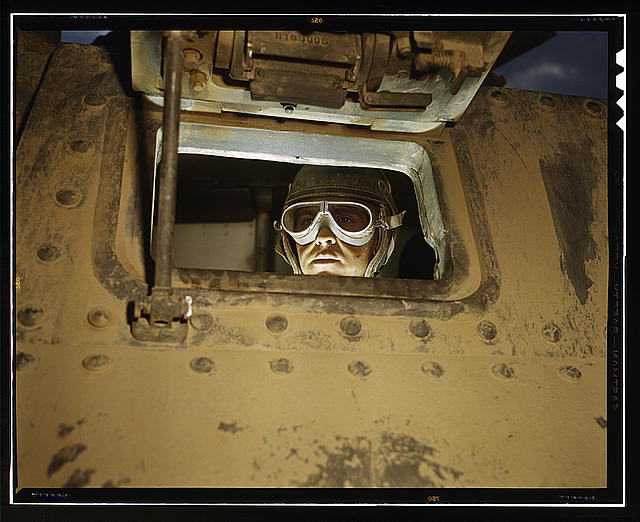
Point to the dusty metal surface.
(33, 52)
(405, 81)
(492, 377)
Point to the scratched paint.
(569, 178)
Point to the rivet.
(503, 371)
(24, 360)
(359, 368)
(551, 332)
(94, 101)
(419, 328)
(260, 72)
(571, 373)
(486, 330)
(433, 369)
(593, 108)
(202, 365)
(192, 57)
(498, 96)
(81, 147)
(48, 252)
(277, 323)
(281, 365)
(289, 109)
(201, 321)
(350, 326)
(547, 101)
(99, 317)
(369, 98)
(29, 316)
(96, 363)
(263, 48)
(68, 197)
(198, 80)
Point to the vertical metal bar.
(264, 227)
(173, 72)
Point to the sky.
(571, 62)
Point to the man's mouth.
(326, 259)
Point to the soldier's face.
(328, 255)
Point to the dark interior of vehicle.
(224, 205)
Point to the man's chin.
(333, 269)
(326, 272)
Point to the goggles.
(350, 221)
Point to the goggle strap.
(391, 222)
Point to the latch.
(162, 317)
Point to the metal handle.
(173, 61)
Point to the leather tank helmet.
(364, 187)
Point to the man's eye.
(303, 222)
(345, 219)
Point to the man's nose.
(325, 237)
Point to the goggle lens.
(297, 219)
(349, 217)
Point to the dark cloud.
(572, 62)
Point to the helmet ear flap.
(384, 185)
(287, 251)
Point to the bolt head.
(24, 360)
(94, 101)
(99, 317)
(96, 363)
(593, 108)
(30, 316)
(277, 323)
(192, 56)
(198, 80)
(570, 373)
(551, 333)
(201, 321)
(81, 147)
(503, 371)
(202, 365)
(487, 330)
(350, 326)
(419, 328)
(498, 97)
(547, 101)
(359, 368)
(281, 366)
(433, 369)
(49, 252)
(68, 197)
